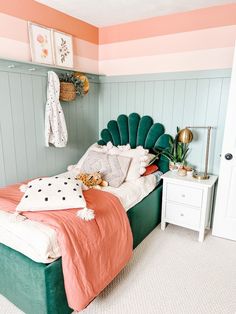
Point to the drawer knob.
(228, 156)
(181, 214)
(183, 195)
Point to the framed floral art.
(63, 49)
(40, 43)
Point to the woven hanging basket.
(85, 81)
(67, 91)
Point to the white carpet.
(170, 273)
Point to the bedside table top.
(170, 176)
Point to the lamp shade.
(185, 136)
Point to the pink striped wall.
(196, 50)
(30, 10)
(196, 40)
(14, 44)
(170, 24)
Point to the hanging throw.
(55, 125)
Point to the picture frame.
(63, 49)
(41, 47)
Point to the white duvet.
(39, 241)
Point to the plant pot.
(173, 167)
(179, 165)
(67, 91)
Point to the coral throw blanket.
(93, 252)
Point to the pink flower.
(44, 53)
(40, 39)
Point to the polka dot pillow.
(53, 193)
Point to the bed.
(38, 287)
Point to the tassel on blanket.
(86, 214)
(71, 167)
(17, 217)
(23, 188)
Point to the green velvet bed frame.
(38, 288)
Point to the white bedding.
(39, 241)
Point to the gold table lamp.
(186, 136)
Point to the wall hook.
(31, 69)
(11, 66)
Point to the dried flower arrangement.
(71, 86)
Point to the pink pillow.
(150, 169)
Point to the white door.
(224, 224)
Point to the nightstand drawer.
(185, 195)
(183, 216)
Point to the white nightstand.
(187, 202)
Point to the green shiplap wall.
(196, 98)
(22, 105)
(173, 99)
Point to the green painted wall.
(173, 99)
(196, 98)
(22, 103)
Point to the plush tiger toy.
(93, 180)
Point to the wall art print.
(63, 49)
(40, 43)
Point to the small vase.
(173, 167)
(189, 171)
(179, 165)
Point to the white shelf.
(19, 65)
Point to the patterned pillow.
(140, 158)
(112, 167)
(52, 194)
(94, 147)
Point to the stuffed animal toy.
(93, 180)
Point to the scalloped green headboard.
(137, 131)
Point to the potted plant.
(176, 153)
(70, 86)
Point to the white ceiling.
(110, 12)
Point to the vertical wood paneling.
(122, 100)
(8, 144)
(189, 102)
(102, 104)
(168, 105)
(22, 145)
(178, 105)
(199, 119)
(139, 97)
(157, 107)
(2, 169)
(18, 125)
(107, 109)
(114, 100)
(39, 125)
(131, 91)
(30, 132)
(175, 101)
(148, 98)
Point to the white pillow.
(94, 147)
(54, 193)
(140, 158)
(113, 168)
